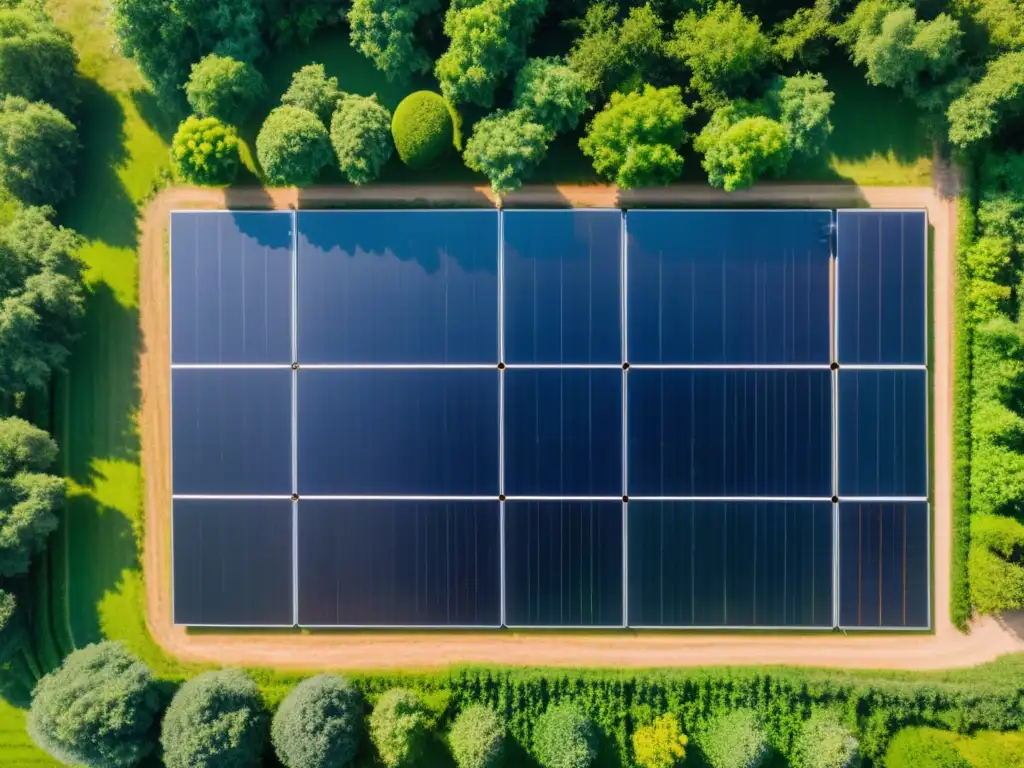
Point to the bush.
(361, 137)
(922, 748)
(318, 724)
(293, 147)
(422, 129)
(824, 743)
(659, 745)
(37, 60)
(399, 727)
(99, 709)
(739, 153)
(735, 740)
(222, 87)
(216, 720)
(205, 152)
(38, 151)
(996, 573)
(565, 738)
(312, 90)
(477, 738)
(506, 147)
(554, 94)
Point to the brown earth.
(945, 648)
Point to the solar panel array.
(571, 418)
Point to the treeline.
(104, 708)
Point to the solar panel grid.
(572, 359)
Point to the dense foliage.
(225, 88)
(293, 146)
(318, 724)
(205, 151)
(312, 90)
(922, 748)
(660, 744)
(422, 129)
(382, 30)
(99, 709)
(506, 147)
(735, 739)
(215, 720)
(565, 737)
(361, 137)
(399, 727)
(999, 94)
(37, 60)
(477, 738)
(823, 742)
(554, 94)
(39, 149)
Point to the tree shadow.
(156, 117)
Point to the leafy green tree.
(803, 37)
(660, 744)
(205, 151)
(318, 724)
(215, 720)
(224, 88)
(740, 146)
(922, 748)
(994, 562)
(382, 30)
(38, 151)
(554, 94)
(506, 147)
(1003, 21)
(735, 740)
(802, 104)
(423, 129)
(293, 147)
(399, 727)
(610, 55)
(998, 95)
(988, 262)
(41, 293)
(724, 49)
(287, 21)
(477, 738)
(311, 89)
(488, 42)
(8, 607)
(99, 709)
(565, 738)
(361, 137)
(823, 742)
(37, 60)
(636, 140)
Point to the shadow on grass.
(161, 121)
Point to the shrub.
(922, 748)
(735, 740)
(222, 87)
(399, 726)
(738, 154)
(477, 738)
(996, 574)
(824, 743)
(422, 129)
(38, 151)
(312, 90)
(554, 94)
(361, 137)
(565, 738)
(37, 60)
(659, 745)
(293, 147)
(318, 724)
(205, 151)
(506, 147)
(98, 709)
(216, 720)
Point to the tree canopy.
(823, 742)
(225, 88)
(477, 738)
(318, 724)
(37, 60)
(39, 149)
(506, 147)
(361, 137)
(399, 727)
(99, 709)
(999, 94)
(553, 93)
(997, 575)
(740, 147)
(205, 151)
(735, 740)
(660, 744)
(565, 738)
(293, 146)
(382, 30)
(613, 55)
(311, 89)
(802, 104)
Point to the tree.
(922, 748)
(311, 89)
(803, 37)
(488, 41)
(635, 140)
(477, 738)
(724, 49)
(215, 720)
(564, 738)
(38, 151)
(610, 55)
(399, 726)
(286, 21)
(999, 94)
(423, 129)
(735, 740)
(318, 724)
(293, 146)
(205, 151)
(37, 60)
(506, 147)
(823, 742)
(802, 104)
(554, 94)
(361, 137)
(660, 744)
(382, 30)
(224, 88)
(99, 709)
(740, 147)
(994, 563)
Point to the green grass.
(16, 748)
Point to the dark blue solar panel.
(738, 564)
(232, 562)
(231, 287)
(717, 432)
(563, 432)
(398, 432)
(883, 446)
(883, 565)
(880, 260)
(561, 285)
(232, 431)
(399, 563)
(728, 286)
(398, 287)
(563, 564)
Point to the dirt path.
(945, 648)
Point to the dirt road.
(943, 649)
